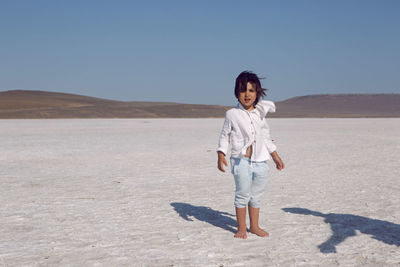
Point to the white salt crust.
(146, 192)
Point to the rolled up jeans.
(250, 179)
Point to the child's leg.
(243, 179)
(260, 171)
(254, 227)
(241, 221)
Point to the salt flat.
(146, 192)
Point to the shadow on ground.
(345, 225)
(217, 218)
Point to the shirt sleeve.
(267, 138)
(224, 137)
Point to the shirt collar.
(240, 106)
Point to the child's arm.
(224, 139)
(278, 161)
(267, 137)
(221, 161)
(272, 148)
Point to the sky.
(192, 51)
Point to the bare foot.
(241, 234)
(258, 231)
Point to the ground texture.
(146, 192)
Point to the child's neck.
(248, 108)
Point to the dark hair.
(249, 77)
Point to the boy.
(246, 129)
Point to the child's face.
(248, 97)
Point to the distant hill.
(42, 104)
(340, 106)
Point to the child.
(246, 129)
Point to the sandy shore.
(146, 192)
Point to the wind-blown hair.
(241, 84)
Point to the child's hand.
(278, 161)
(221, 161)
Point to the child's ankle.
(242, 228)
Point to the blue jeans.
(250, 179)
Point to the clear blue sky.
(191, 51)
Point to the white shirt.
(244, 128)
